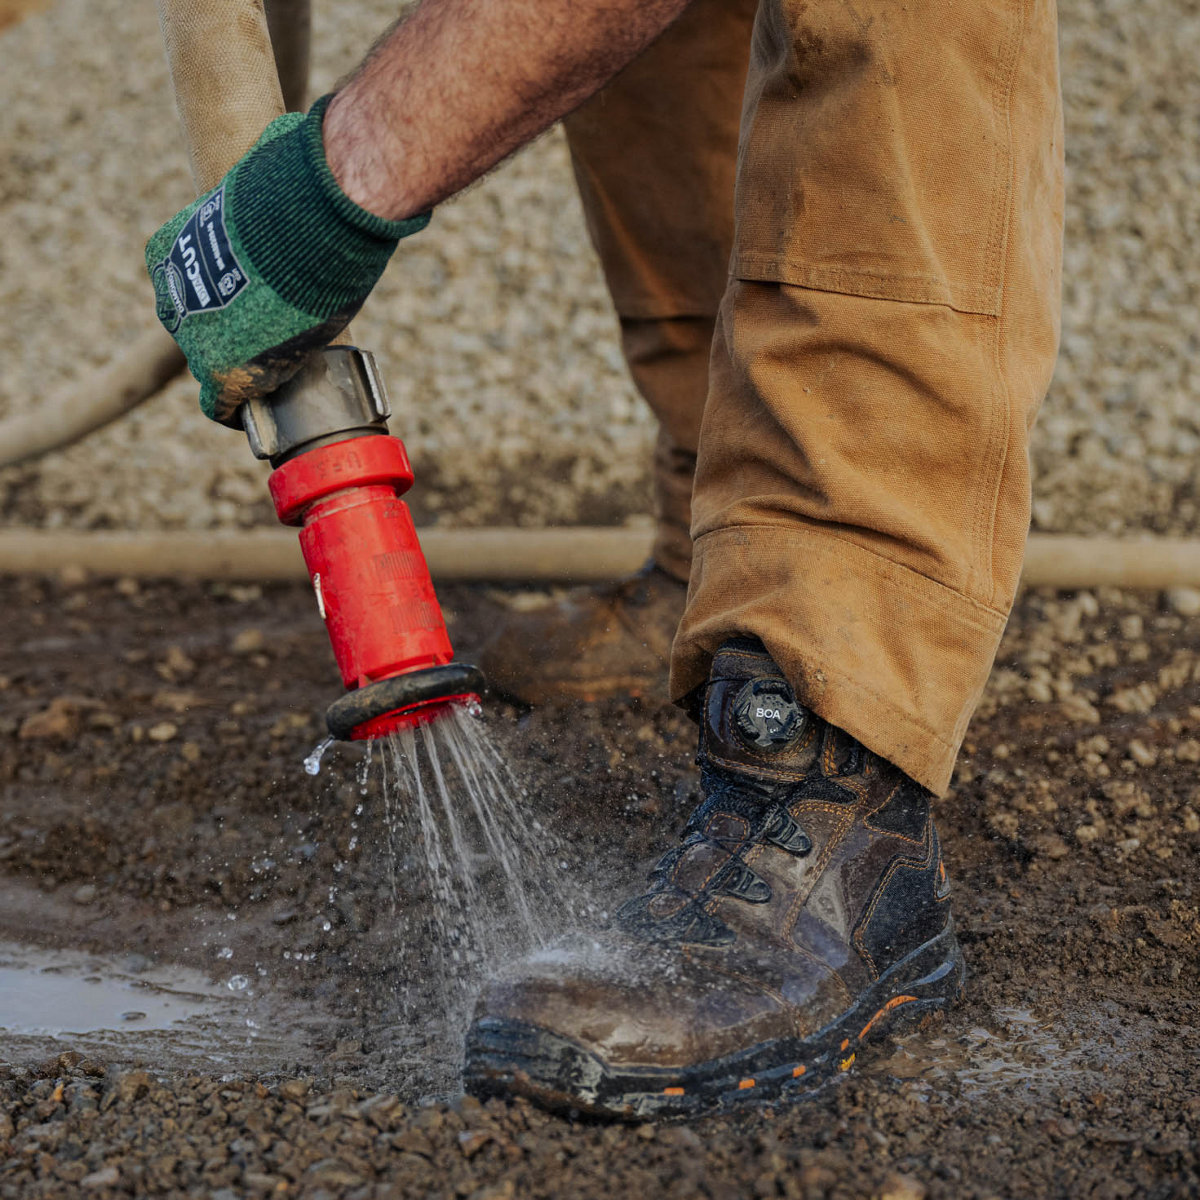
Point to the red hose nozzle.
(372, 585)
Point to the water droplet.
(312, 764)
(225, 952)
(237, 983)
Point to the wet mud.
(164, 853)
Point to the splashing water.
(476, 881)
(460, 838)
(312, 764)
(454, 812)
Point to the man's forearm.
(460, 84)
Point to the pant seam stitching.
(840, 281)
(998, 234)
(1006, 415)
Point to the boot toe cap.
(629, 1011)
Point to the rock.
(1142, 754)
(176, 665)
(903, 1187)
(105, 1177)
(1188, 751)
(259, 1182)
(249, 641)
(295, 1089)
(505, 1190)
(164, 731)
(471, 1141)
(1185, 601)
(1049, 845)
(59, 720)
(130, 1086)
(413, 1141)
(332, 1172)
(379, 1109)
(85, 894)
(175, 701)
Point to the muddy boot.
(594, 642)
(805, 910)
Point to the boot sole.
(513, 1058)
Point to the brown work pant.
(870, 240)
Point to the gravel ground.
(151, 802)
(494, 329)
(150, 798)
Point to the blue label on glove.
(201, 274)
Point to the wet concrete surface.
(158, 834)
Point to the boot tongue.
(752, 723)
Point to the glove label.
(201, 273)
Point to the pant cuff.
(894, 658)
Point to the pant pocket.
(877, 144)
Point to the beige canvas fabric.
(886, 322)
(655, 156)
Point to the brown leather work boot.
(594, 642)
(805, 909)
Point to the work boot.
(591, 643)
(804, 910)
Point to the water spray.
(339, 475)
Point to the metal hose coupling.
(339, 476)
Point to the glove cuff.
(316, 248)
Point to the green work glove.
(268, 266)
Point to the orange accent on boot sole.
(745, 1083)
(798, 1071)
(845, 1043)
(672, 1091)
(894, 1002)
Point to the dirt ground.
(154, 815)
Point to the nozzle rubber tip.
(414, 688)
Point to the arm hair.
(458, 85)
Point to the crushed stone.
(494, 329)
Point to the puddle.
(124, 1009)
(1021, 1052)
(54, 993)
